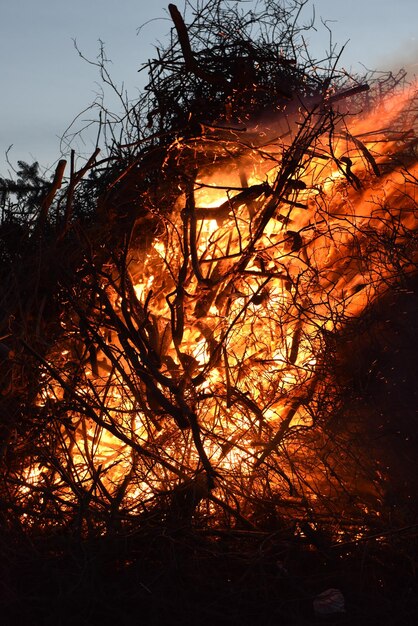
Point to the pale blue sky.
(45, 84)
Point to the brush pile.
(198, 330)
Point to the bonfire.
(193, 324)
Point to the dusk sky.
(45, 83)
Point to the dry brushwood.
(174, 325)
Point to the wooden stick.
(183, 36)
(55, 185)
(190, 61)
(347, 93)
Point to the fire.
(203, 357)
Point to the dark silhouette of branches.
(176, 312)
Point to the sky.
(45, 84)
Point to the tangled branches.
(182, 364)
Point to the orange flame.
(249, 360)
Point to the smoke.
(405, 56)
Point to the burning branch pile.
(176, 355)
